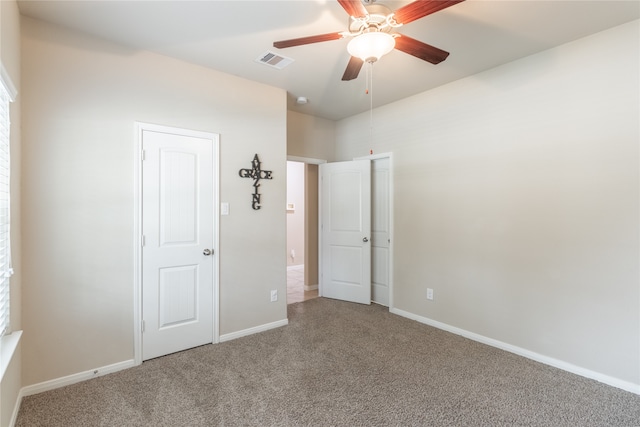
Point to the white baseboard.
(254, 330)
(565, 366)
(75, 378)
(310, 287)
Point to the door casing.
(390, 183)
(137, 229)
(380, 234)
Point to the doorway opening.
(302, 231)
(357, 217)
(305, 274)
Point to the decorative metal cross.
(256, 174)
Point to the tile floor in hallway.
(295, 285)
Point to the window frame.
(7, 96)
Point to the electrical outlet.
(429, 294)
(274, 295)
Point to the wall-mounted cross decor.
(256, 174)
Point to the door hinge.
(142, 240)
(142, 326)
(142, 155)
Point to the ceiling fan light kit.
(371, 46)
(372, 26)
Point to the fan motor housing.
(376, 20)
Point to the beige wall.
(295, 217)
(516, 199)
(81, 99)
(10, 58)
(311, 137)
(311, 227)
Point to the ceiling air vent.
(274, 60)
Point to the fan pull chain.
(366, 80)
(370, 78)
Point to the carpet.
(337, 364)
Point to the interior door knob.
(365, 240)
(207, 252)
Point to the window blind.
(5, 243)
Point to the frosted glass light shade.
(371, 46)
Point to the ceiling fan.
(371, 27)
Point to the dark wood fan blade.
(421, 8)
(353, 69)
(421, 50)
(354, 8)
(307, 40)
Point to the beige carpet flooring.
(337, 364)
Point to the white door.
(178, 240)
(380, 232)
(345, 230)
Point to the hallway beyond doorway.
(295, 285)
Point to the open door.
(345, 209)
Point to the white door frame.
(312, 161)
(390, 157)
(308, 160)
(137, 229)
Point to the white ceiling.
(230, 35)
